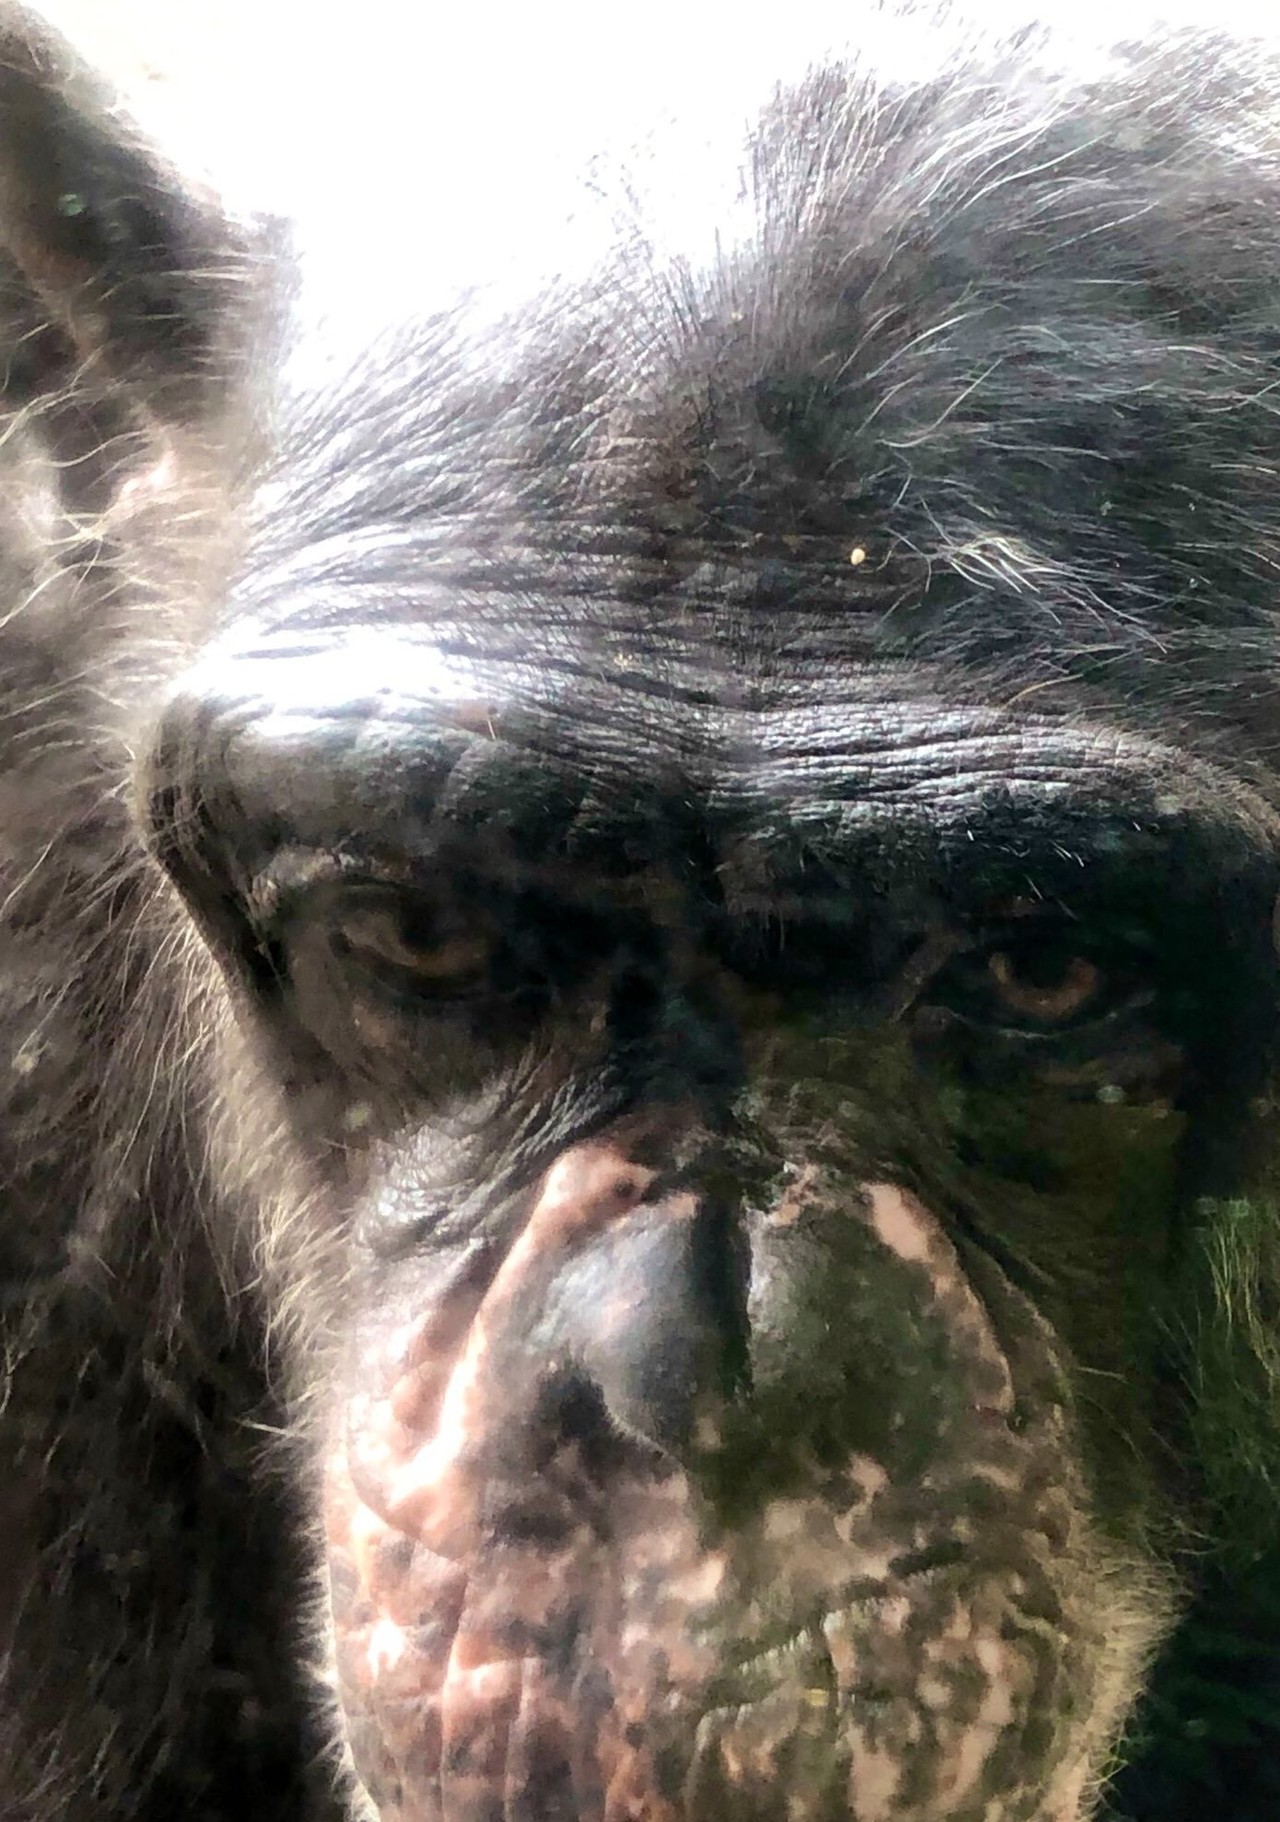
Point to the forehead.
(878, 512)
(376, 737)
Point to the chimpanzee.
(639, 990)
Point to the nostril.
(571, 1412)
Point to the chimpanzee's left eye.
(1037, 977)
(1048, 992)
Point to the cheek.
(852, 1579)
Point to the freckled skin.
(583, 1662)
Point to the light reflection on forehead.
(287, 679)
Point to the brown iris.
(1049, 1001)
(448, 955)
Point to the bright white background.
(422, 147)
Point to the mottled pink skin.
(633, 1654)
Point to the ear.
(113, 272)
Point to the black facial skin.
(712, 1410)
(637, 1008)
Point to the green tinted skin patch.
(1079, 1202)
(1068, 1196)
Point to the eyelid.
(377, 932)
(980, 982)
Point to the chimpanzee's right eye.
(435, 950)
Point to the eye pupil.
(1048, 991)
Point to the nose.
(653, 1318)
(615, 1321)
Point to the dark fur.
(1014, 338)
(146, 1600)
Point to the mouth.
(851, 1596)
(639, 1663)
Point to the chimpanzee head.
(739, 824)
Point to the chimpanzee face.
(768, 993)
(761, 1117)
